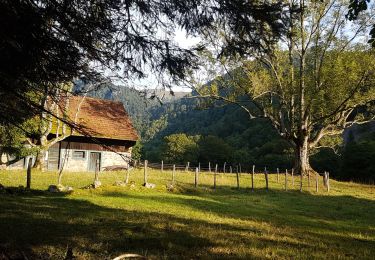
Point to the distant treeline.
(183, 130)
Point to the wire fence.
(288, 175)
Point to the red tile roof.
(101, 118)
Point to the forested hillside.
(248, 141)
(180, 129)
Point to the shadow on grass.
(244, 203)
(319, 221)
(40, 225)
(225, 223)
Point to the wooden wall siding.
(93, 147)
(53, 158)
(56, 145)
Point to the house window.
(79, 154)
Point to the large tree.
(315, 82)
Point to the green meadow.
(187, 222)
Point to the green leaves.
(180, 148)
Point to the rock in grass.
(97, 184)
(69, 189)
(119, 183)
(59, 188)
(90, 186)
(53, 188)
(132, 184)
(170, 187)
(149, 185)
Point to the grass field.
(187, 223)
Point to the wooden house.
(106, 137)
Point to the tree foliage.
(358, 161)
(317, 81)
(215, 150)
(250, 142)
(225, 135)
(47, 43)
(137, 151)
(12, 144)
(180, 148)
(358, 7)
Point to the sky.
(151, 82)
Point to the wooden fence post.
(301, 183)
(266, 176)
(238, 178)
(293, 177)
(252, 178)
(326, 180)
(225, 163)
(127, 175)
(230, 169)
(317, 182)
(145, 172)
(196, 178)
(215, 176)
(308, 180)
(286, 179)
(97, 170)
(240, 169)
(162, 166)
(278, 177)
(28, 173)
(187, 166)
(199, 167)
(173, 173)
(209, 167)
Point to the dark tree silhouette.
(45, 43)
(356, 7)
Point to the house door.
(94, 157)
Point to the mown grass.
(187, 223)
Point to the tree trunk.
(1, 156)
(59, 179)
(28, 174)
(39, 160)
(302, 163)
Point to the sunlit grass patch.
(188, 222)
